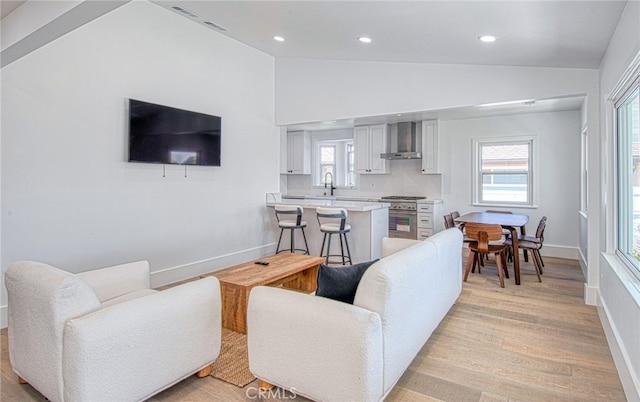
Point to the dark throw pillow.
(340, 283)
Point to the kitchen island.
(369, 222)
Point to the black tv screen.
(162, 134)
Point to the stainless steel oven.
(403, 216)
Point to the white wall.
(69, 197)
(319, 90)
(618, 291)
(556, 176)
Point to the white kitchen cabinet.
(430, 218)
(430, 147)
(370, 142)
(297, 149)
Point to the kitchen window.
(628, 176)
(503, 171)
(327, 162)
(338, 158)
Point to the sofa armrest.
(313, 346)
(118, 280)
(131, 350)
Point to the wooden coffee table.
(293, 271)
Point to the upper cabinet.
(297, 150)
(430, 147)
(370, 142)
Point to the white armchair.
(104, 335)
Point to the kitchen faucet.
(331, 182)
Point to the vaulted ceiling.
(541, 33)
(529, 33)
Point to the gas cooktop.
(403, 197)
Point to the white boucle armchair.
(104, 335)
(328, 350)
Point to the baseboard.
(3, 316)
(551, 250)
(591, 295)
(620, 356)
(179, 273)
(583, 263)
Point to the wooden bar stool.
(334, 221)
(290, 218)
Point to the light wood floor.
(534, 342)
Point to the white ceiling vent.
(215, 26)
(184, 11)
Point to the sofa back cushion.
(412, 290)
(108, 283)
(41, 299)
(391, 245)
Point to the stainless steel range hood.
(406, 143)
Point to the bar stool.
(333, 221)
(284, 213)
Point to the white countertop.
(428, 200)
(353, 206)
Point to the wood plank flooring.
(534, 342)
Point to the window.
(327, 163)
(503, 171)
(628, 175)
(351, 164)
(336, 157)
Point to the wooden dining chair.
(455, 215)
(483, 234)
(533, 244)
(448, 222)
(539, 238)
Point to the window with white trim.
(337, 158)
(327, 162)
(628, 175)
(503, 171)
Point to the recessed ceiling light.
(278, 38)
(364, 39)
(487, 38)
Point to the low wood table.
(293, 271)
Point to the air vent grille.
(215, 26)
(185, 12)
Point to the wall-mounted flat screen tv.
(162, 134)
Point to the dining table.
(509, 221)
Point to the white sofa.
(332, 351)
(104, 335)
